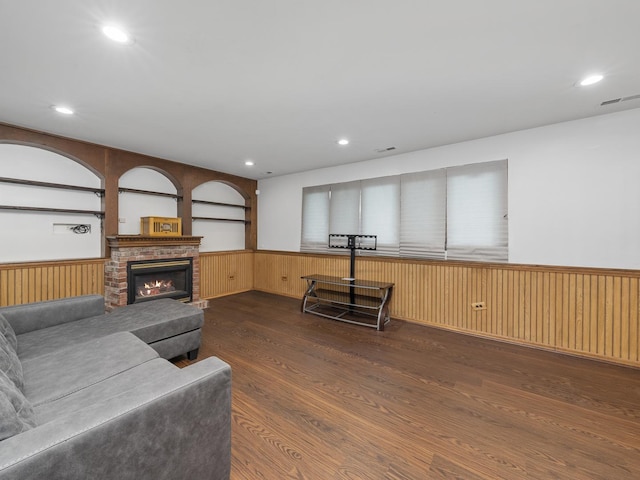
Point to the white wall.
(573, 193)
(36, 236)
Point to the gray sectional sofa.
(169, 327)
(89, 395)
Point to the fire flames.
(156, 287)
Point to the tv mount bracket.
(353, 242)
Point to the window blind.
(477, 212)
(423, 214)
(315, 219)
(344, 208)
(380, 214)
(456, 213)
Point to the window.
(380, 213)
(368, 207)
(477, 212)
(456, 213)
(423, 216)
(344, 208)
(315, 215)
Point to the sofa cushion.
(7, 330)
(15, 411)
(10, 364)
(68, 370)
(157, 319)
(150, 321)
(155, 371)
(33, 316)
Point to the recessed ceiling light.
(117, 34)
(249, 163)
(591, 79)
(62, 109)
(343, 141)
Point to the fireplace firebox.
(153, 279)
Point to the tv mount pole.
(353, 242)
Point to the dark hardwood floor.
(317, 399)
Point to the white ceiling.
(216, 82)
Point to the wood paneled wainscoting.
(34, 282)
(225, 273)
(587, 312)
(221, 273)
(582, 311)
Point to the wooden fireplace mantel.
(132, 241)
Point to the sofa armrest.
(177, 426)
(34, 316)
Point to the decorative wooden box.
(161, 226)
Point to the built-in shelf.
(61, 186)
(33, 183)
(214, 219)
(52, 210)
(221, 219)
(221, 204)
(149, 192)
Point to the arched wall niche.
(90, 155)
(177, 185)
(237, 188)
(146, 191)
(219, 216)
(50, 218)
(244, 187)
(57, 151)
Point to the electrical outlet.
(478, 306)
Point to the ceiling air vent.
(609, 102)
(383, 150)
(621, 99)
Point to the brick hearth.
(125, 248)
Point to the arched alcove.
(218, 216)
(144, 192)
(46, 205)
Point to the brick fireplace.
(136, 249)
